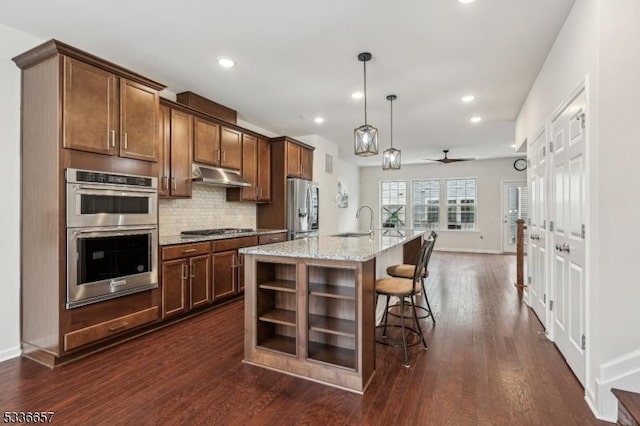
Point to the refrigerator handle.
(307, 203)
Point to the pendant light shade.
(365, 136)
(391, 156)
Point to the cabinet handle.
(125, 141)
(113, 138)
(188, 251)
(165, 182)
(193, 271)
(218, 154)
(260, 192)
(224, 155)
(184, 273)
(240, 260)
(175, 184)
(118, 327)
(234, 262)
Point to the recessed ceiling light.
(357, 95)
(475, 119)
(468, 98)
(319, 120)
(513, 145)
(226, 62)
(466, 1)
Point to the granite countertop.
(353, 249)
(167, 240)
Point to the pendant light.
(366, 136)
(391, 156)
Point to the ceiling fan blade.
(454, 160)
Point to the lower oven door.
(103, 263)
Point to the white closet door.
(567, 245)
(537, 251)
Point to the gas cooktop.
(217, 231)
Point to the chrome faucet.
(371, 221)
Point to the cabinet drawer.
(185, 250)
(112, 327)
(234, 243)
(272, 238)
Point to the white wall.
(12, 43)
(332, 218)
(599, 42)
(490, 174)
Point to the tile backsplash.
(207, 208)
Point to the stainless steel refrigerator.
(303, 199)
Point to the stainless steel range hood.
(216, 177)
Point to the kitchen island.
(310, 304)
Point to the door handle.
(558, 247)
(565, 247)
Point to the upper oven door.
(90, 204)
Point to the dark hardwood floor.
(488, 363)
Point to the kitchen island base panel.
(328, 381)
(319, 326)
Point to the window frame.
(461, 205)
(407, 216)
(438, 226)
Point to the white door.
(514, 204)
(567, 232)
(537, 227)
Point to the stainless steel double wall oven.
(112, 235)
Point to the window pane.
(426, 204)
(461, 204)
(394, 202)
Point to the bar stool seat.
(404, 270)
(396, 286)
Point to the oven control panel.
(81, 176)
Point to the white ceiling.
(297, 59)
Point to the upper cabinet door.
(293, 160)
(264, 170)
(139, 107)
(250, 166)
(181, 145)
(90, 110)
(164, 154)
(306, 163)
(206, 142)
(231, 147)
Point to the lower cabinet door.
(200, 277)
(174, 283)
(225, 265)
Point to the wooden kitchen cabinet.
(97, 120)
(138, 121)
(264, 171)
(186, 281)
(289, 158)
(216, 145)
(206, 142)
(299, 161)
(225, 265)
(175, 152)
(256, 170)
(230, 148)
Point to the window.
(393, 204)
(461, 204)
(426, 204)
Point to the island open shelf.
(310, 306)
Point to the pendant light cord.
(392, 123)
(365, 92)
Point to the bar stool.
(404, 288)
(406, 271)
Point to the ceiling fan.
(447, 160)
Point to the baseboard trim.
(619, 367)
(10, 353)
(462, 250)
